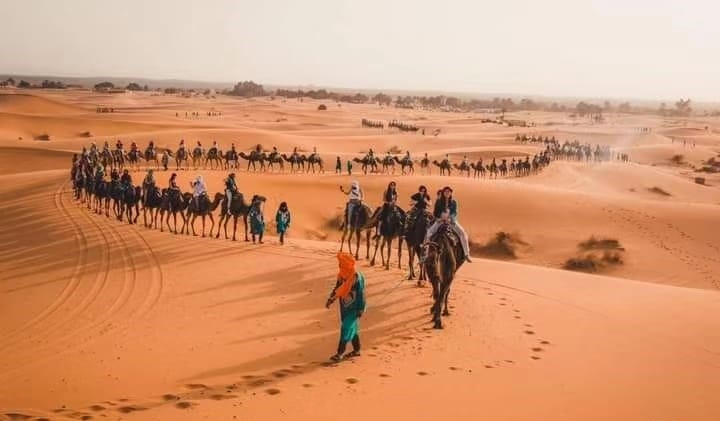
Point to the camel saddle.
(446, 230)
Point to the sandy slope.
(106, 320)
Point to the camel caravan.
(436, 243)
(402, 126)
(574, 151)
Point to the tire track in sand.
(81, 266)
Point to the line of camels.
(259, 160)
(438, 259)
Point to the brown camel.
(238, 207)
(444, 166)
(201, 207)
(361, 220)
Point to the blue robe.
(350, 309)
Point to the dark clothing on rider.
(444, 204)
(231, 185)
(421, 200)
(390, 196)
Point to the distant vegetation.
(658, 190)
(104, 85)
(247, 89)
(132, 86)
(596, 254)
(502, 246)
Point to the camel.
(238, 207)
(392, 227)
(118, 159)
(463, 168)
(172, 203)
(312, 160)
(425, 165)
(255, 157)
(295, 160)
(443, 256)
(503, 168)
(131, 199)
(201, 207)
(116, 195)
(151, 203)
(444, 166)
(106, 158)
(182, 156)
(133, 158)
(478, 169)
(197, 156)
(406, 162)
(101, 195)
(366, 162)
(361, 220)
(388, 163)
(231, 159)
(152, 156)
(415, 230)
(214, 156)
(492, 168)
(275, 158)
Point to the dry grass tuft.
(502, 246)
(658, 190)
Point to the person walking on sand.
(282, 221)
(338, 166)
(257, 219)
(349, 167)
(350, 291)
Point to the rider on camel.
(199, 189)
(119, 145)
(106, 147)
(125, 180)
(133, 147)
(355, 198)
(389, 205)
(148, 184)
(446, 212)
(231, 190)
(182, 145)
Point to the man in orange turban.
(350, 290)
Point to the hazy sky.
(618, 48)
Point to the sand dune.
(105, 320)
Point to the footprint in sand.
(307, 385)
(351, 380)
(97, 408)
(384, 375)
(454, 368)
(168, 397)
(220, 397)
(184, 405)
(131, 408)
(272, 391)
(529, 332)
(196, 386)
(535, 357)
(545, 342)
(14, 416)
(422, 373)
(537, 349)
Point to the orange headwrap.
(346, 273)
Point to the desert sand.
(103, 320)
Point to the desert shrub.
(104, 85)
(395, 150)
(322, 107)
(589, 260)
(677, 159)
(502, 246)
(43, 136)
(658, 190)
(85, 134)
(595, 243)
(588, 263)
